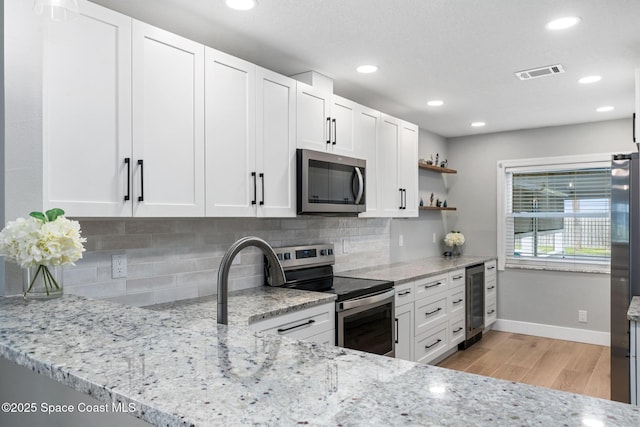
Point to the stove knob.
(279, 257)
(330, 251)
(323, 252)
(287, 255)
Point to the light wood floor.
(562, 365)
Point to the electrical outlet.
(345, 246)
(434, 237)
(582, 316)
(118, 266)
(401, 240)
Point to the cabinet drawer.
(430, 286)
(456, 302)
(430, 311)
(490, 313)
(490, 288)
(326, 337)
(456, 278)
(405, 293)
(490, 269)
(301, 324)
(456, 331)
(432, 343)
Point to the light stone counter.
(634, 309)
(179, 374)
(403, 272)
(244, 307)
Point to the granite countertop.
(403, 272)
(634, 309)
(179, 374)
(244, 307)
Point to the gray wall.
(417, 233)
(546, 297)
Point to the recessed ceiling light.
(242, 4)
(562, 23)
(605, 109)
(435, 103)
(478, 124)
(590, 79)
(367, 69)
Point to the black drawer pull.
(141, 196)
(435, 343)
(404, 293)
(491, 287)
(309, 322)
(433, 286)
(433, 312)
(458, 301)
(491, 268)
(458, 277)
(491, 312)
(457, 330)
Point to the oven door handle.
(368, 300)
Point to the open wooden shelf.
(435, 208)
(436, 168)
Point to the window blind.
(558, 218)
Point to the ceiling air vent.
(534, 73)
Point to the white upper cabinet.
(367, 122)
(168, 124)
(343, 126)
(230, 135)
(87, 113)
(275, 144)
(397, 171)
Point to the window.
(554, 213)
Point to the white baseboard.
(556, 332)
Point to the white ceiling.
(464, 52)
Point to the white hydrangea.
(455, 238)
(31, 242)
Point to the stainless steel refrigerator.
(625, 264)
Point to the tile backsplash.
(172, 259)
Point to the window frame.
(543, 164)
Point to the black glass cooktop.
(347, 287)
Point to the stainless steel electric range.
(365, 317)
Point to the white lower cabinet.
(456, 331)
(316, 324)
(404, 321)
(490, 292)
(432, 343)
(429, 311)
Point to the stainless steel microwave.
(330, 184)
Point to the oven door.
(367, 323)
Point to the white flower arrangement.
(455, 238)
(42, 240)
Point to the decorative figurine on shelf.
(421, 202)
(444, 204)
(437, 157)
(431, 200)
(430, 161)
(438, 203)
(444, 163)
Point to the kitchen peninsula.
(179, 374)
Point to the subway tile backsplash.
(172, 259)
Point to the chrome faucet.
(276, 276)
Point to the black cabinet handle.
(328, 130)
(433, 286)
(458, 277)
(491, 312)
(127, 161)
(262, 180)
(397, 331)
(457, 330)
(400, 190)
(255, 189)
(433, 312)
(309, 322)
(458, 301)
(141, 196)
(491, 268)
(400, 294)
(404, 190)
(437, 342)
(335, 132)
(491, 287)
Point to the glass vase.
(42, 282)
(456, 250)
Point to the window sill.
(589, 269)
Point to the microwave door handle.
(360, 185)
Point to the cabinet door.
(408, 161)
(366, 144)
(404, 332)
(389, 194)
(87, 113)
(275, 144)
(168, 123)
(313, 118)
(230, 135)
(343, 120)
